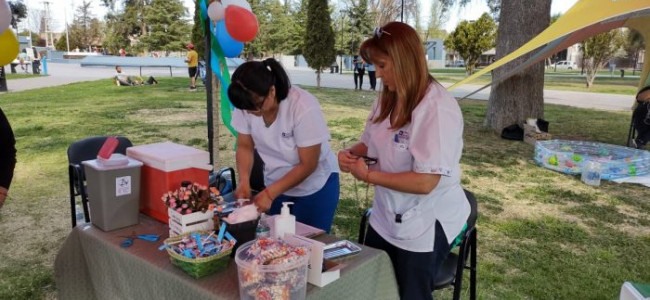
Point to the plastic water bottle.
(79, 214)
(263, 229)
(591, 173)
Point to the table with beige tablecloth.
(92, 265)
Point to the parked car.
(565, 65)
(457, 64)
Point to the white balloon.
(215, 11)
(242, 3)
(5, 15)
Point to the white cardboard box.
(315, 275)
(179, 224)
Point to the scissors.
(146, 237)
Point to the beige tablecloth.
(92, 265)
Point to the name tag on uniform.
(287, 134)
(401, 140)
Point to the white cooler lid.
(168, 156)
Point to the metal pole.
(208, 87)
(342, 44)
(401, 18)
(67, 38)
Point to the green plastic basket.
(197, 267)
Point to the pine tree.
(167, 30)
(198, 38)
(319, 40)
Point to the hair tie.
(266, 65)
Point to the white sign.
(122, 186)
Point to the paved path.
(61, 74)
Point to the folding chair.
(79, 151)
(451, 271)
(224, 179)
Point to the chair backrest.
(88, 148)
(473, 215)
(257, 173)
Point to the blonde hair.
(404, 48)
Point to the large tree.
(471, 39)
(362, 24)
(319, 42)
(198, 38)
(522, 95)
(597, 50)
(18, 12)
(438, 18)
(168, 28)
(85, 29)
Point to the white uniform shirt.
(300, 123)
(431, 143)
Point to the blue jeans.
(316, 209)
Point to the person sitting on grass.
(121, 79)
(641, 117)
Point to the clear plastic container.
(591, 173)
(281, 281)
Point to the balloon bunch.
(232, 23)
(235, 25)
(8, 39)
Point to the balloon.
(241, 23)
(5, 15)
(241, 3)
(9, 46)
(215, 11)
(230, 47)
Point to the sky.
(59, 8)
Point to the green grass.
(11, 76)
(542, 234)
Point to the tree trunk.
(318, 78)
(522, 95)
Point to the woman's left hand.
(359, 169)
(263, 200)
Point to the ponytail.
(255, 78)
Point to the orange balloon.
(241, 24)
(9, 46)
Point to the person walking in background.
(371, 75)
(286, 126)
(359, 70)
(414, 137)
(641, 117)
(7, 157)
(192, 61)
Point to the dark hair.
(255, 78)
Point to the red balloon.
(241, 24)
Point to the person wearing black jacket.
(641, 117)
(7, 157)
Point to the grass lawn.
(562, 81)
(541, 234)
(11, 76)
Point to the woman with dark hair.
(286, 126)
(415, 135)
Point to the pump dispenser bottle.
(285, 222)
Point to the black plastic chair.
(79, 151)
(451, 271)
(227, 175)
(631, 134)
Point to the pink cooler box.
(166, 165)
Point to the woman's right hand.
(346, 159)
(243, 192)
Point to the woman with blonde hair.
(413, 137)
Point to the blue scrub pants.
(414, 271)
(316, 209)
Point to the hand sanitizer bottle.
(285, 222)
